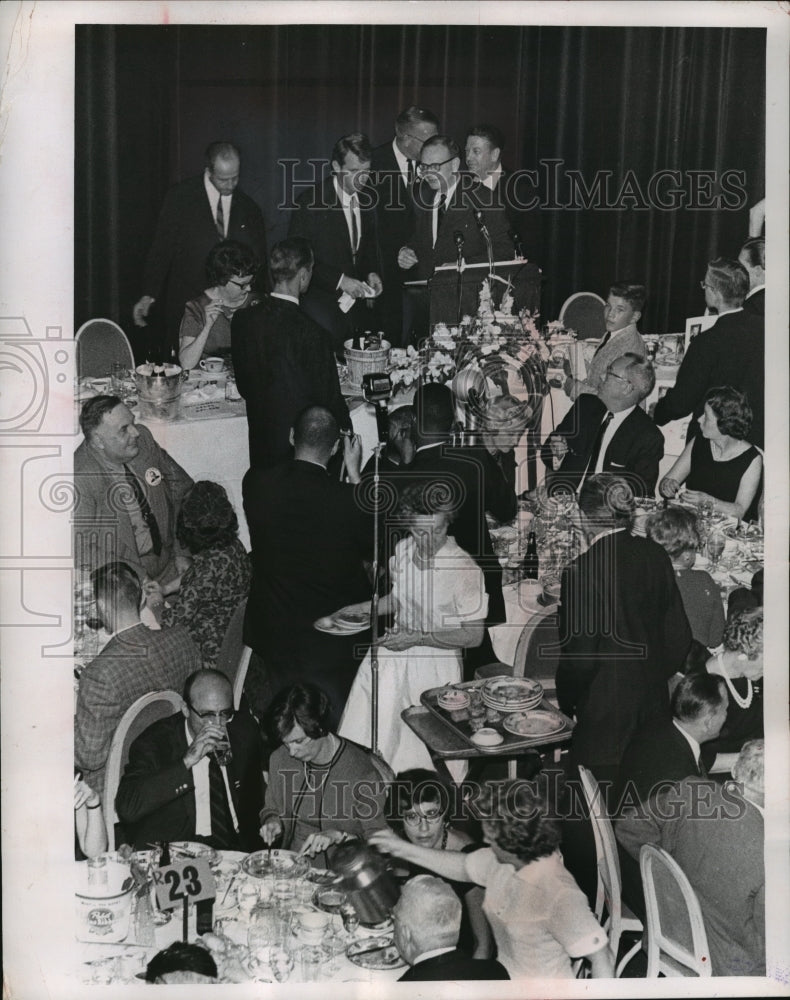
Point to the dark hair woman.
(219, 576)
(205, 328)
(719, 466)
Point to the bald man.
(174, 786)
(427, 921)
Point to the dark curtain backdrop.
(149, 99)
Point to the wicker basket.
(365, 362)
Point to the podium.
(446, 290)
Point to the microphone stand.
(481, 225)
(458, 236)
(374, 609)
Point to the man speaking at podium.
(455, 217)
(454, 211)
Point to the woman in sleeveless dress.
(719, 465)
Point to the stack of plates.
(511, 694)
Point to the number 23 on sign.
(184, 881)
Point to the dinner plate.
(261, 863)
(535, 723)
(352, 619)
(744, 532)
(331, 627)
(376, 953)
(193, 849)
(511, 688)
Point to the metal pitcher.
(364, 877)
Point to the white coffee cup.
(213, 365)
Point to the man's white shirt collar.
(492, 179)
(755, 290)
(286, 298)
(695, 747)
(432, 954)
(402, 161)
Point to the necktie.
(220, 219)
(410, 172)
(596, 448)
(604, 341)
(354, 226)
(145, 510)
(442, 205)
(222, 832)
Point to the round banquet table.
(122, 963)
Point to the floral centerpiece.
(503, 346)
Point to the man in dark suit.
(283, 360)
(731, 352)
(427, 921)
(445, 206)
(309, 539)
(667, 750)
(175, 786)
(752, 256)
(338, 217)
(196, 214)
(483, 153)
(471, 475)
(608, 432)
(393, 176)
(663, 753)
(623, 631)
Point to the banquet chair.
(234, 657)
(148, 708)
(619, 919)
(583, 313)
(677, 944)
(538, 652)
(100, 342)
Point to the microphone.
(458, 236)
(517, 243)
(481, 224)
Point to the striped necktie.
(145, 510)
(220, 219)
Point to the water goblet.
(350, 918)
(333, 947)
(715, 547)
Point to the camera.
(376, 387)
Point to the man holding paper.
(338, 217)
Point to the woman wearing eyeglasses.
(420, 812)
(322, 789)
(205, 328)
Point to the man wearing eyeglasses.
(393, 176)
(181, 783)
(445, 205)
(608, 432)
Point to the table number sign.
(185, 882)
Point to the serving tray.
(458, 722)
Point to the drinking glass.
(715, 547)
(247, 895)
(281, 961)
(333, 946)
(312, 958)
